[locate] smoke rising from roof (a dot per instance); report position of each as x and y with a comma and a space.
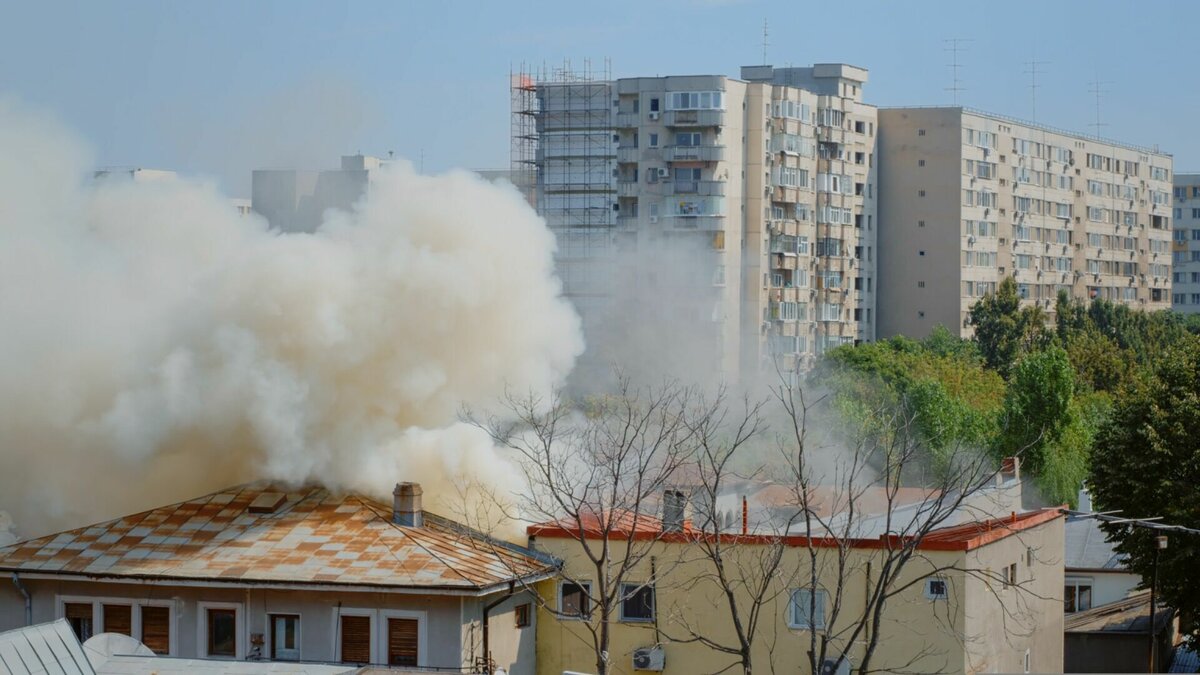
156, 345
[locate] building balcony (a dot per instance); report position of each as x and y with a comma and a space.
715, 188
784, 261
628, 153
627, 120
694, 118
628, 188
708, 222
693, 153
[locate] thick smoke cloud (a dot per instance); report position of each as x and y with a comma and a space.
156, 345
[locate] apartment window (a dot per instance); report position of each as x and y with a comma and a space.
285, 637
156, 628
654, 105
1195, 298
573, 599
1196, 213
687, 138
522, 615
920, 162
1077, 595
355, 638
920, 132
637, 602
806, 610
221, 630
79, 615
921, 253
654, 140
696, 100
403, 641
1010, 572
936, 589
118, 619
920, 193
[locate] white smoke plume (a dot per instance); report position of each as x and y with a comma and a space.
156, 345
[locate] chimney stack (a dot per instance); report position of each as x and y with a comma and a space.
406, 505
1010, 469
674, 510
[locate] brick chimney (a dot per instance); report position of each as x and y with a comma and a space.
674, 510
406, 505
1010, 469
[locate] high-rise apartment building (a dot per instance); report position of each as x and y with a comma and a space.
968, 198
1185, 250
707, 225
295, 200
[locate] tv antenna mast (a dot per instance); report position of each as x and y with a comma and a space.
1033, 69
765, 41
1097, 89
954, 46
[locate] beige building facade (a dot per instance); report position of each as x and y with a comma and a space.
983, 597
727, 227
968, 198
1185, 249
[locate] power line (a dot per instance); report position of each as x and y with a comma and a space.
954, 46
1148, 523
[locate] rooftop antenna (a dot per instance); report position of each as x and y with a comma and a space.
765, 42
421, 166
1033, 69
954, 46
1097, 88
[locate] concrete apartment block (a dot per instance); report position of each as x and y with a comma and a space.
968, 198
1185, 249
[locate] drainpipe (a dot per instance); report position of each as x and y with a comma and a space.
487, 647
28, 599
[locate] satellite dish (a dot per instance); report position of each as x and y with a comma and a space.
99, 648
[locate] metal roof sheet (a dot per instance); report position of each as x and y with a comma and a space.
1087, 549
50, 648
312, 536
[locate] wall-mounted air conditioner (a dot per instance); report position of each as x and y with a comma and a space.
649, 658
654, 116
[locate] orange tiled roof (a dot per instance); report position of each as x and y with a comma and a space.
264, 533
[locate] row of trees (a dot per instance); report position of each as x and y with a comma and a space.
1103, 393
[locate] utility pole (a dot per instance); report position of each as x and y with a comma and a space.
1160, 543
954, 46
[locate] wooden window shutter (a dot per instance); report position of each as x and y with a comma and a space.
156, 629
118, 619
402, 642
356, 639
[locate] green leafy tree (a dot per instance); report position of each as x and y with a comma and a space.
1147, 463
1004, 329
1043, 423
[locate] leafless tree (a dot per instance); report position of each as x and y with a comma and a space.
595, 471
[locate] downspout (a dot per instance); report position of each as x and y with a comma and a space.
487, 647
28, 599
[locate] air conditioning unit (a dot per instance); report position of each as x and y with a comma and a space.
653, 219
663, 172
649, 658
654, 116
834, 667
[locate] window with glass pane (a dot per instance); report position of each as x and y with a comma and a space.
638, 603
284, 637
79, 615
573, 599
156, 629
222, 632
805, 610
1078, 596
118, 619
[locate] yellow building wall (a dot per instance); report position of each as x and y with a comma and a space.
959, 634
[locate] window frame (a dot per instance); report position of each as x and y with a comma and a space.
239, 630
634, 587
372, 633
523, 615
135, 614
587, 597
269, 645
930, 595
823, 599
422, 634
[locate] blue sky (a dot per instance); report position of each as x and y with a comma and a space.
219, 87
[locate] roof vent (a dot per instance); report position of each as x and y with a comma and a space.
266, 502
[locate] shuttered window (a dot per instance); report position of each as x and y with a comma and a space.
402, 642
118, 619
356, 639
156, 629
79, 615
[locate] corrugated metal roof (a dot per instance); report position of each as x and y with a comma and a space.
45, 648
1130, 615
312, 536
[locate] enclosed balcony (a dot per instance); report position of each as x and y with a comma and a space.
694, 118
694, 153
